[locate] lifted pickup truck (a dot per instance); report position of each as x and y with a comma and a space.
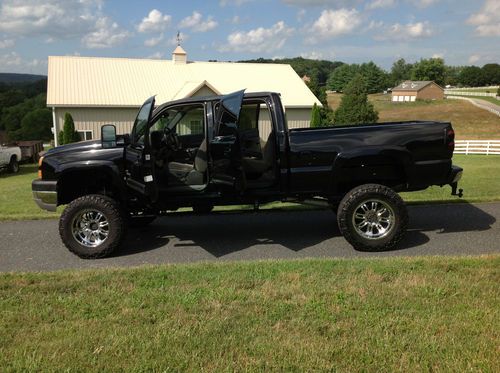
237, 149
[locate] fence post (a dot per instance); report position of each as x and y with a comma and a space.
488, 148
466, 147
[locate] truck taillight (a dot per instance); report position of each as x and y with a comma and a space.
40, 167
450, 139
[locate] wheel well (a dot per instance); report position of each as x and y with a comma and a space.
74, 184
13, 157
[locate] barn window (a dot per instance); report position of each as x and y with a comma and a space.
85, 135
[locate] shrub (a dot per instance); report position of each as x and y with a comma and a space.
69, 133
315, 116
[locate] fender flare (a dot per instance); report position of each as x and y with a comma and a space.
109, 168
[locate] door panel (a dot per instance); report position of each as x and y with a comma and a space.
138, 159
225, 149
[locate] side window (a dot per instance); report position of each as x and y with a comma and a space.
140, 124
184, 120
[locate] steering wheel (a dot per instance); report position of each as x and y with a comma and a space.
172, 139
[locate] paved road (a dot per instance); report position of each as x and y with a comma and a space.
457, 229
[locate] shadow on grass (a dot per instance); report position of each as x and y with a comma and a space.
24, 169
223, 233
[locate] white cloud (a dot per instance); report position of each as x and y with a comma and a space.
223, 3
53, 18
258, 40
408, 31
474, 58
107, 34
61, 19
332, 23
331, 3
196, 23
423, 3
313, 55
156, 56
438, 55
13, 62
376, 4
154, 41
6, 43
154, 22
235, 20
487, 20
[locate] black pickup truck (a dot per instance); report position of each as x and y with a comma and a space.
237, 149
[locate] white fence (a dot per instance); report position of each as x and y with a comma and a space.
475, 103
469, 93
477, 147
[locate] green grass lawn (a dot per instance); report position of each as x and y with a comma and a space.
436, 314
481, 182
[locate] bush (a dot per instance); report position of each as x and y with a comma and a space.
354, 107
69, 133
498, 91
315, 116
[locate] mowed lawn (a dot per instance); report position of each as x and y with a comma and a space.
436, 314
469, 121
481, 182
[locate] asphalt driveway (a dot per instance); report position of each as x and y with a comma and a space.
456, 229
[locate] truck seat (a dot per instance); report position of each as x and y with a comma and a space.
261, 166
190, 174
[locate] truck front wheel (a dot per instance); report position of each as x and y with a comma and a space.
14, 165
92, 226
372, 217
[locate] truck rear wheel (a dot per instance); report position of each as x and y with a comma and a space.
14, 165
92, 226
372, 217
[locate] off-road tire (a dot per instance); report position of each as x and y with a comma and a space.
137, 221
13, 165
203, 209
114, 216
367, 192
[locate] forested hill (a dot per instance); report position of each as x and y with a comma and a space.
314, 69
11, 78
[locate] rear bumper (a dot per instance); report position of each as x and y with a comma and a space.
45, 194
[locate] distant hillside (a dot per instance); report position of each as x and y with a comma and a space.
11, 78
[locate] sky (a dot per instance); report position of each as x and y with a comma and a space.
463, 32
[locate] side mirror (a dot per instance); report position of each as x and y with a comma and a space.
108, 136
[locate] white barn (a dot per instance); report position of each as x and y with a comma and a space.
97, 91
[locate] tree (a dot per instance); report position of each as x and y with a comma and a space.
400, 72
35, 126
69, 133
315, 116
491, 73
429, 69
471, 76
341, 76
354, 107
376, 78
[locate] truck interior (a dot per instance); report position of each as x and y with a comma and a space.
179, 146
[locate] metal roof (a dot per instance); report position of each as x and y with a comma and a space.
125, 82
413, 85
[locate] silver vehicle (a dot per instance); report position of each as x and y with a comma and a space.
10, 157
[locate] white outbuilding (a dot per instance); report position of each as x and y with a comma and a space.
98, 91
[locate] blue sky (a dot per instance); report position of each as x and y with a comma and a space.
463, 32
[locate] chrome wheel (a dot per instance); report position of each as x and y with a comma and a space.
90, 228
373, 219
